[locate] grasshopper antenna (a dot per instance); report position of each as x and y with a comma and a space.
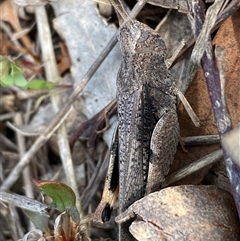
120, 9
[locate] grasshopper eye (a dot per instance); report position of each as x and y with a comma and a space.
143, 37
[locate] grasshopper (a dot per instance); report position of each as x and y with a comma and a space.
148, 129
148, 124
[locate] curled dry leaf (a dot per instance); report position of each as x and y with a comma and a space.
184, 213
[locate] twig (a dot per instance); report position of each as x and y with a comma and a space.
8, 143
6, 116
52, 74
203, 36
215, 90
90, 190
193, 167
200, 140
15, 223
230, 9
28, 187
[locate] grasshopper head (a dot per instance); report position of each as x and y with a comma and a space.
137, 37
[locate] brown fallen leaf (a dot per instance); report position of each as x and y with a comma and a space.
10, 14
228, 38
63, 59
6, 46
184, 213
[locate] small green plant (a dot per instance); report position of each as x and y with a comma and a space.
67, 224
63, 197
11, 75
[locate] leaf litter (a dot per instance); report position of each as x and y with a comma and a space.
77, 26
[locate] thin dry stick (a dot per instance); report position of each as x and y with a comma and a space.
201, 140
22, 149
9, 144
14, 223
28, 187
6, 116
95, 180
230, 9
61, 115
202, 38
222, 117
52, 74
193, 167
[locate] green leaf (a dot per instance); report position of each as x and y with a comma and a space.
4, 66
64, 198
19, 79
15, 69
40, 84
7, 81
15, 77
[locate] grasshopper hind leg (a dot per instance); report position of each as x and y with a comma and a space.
163, 147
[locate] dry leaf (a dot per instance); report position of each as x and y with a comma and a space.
184, 213
227, 37
85, 40
63, 59
9, 13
